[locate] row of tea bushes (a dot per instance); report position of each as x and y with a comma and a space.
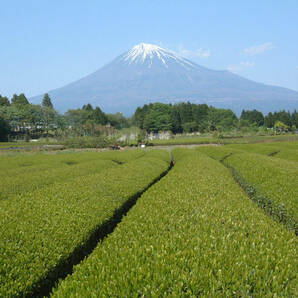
64, 167
272, 180
27, 163
218, 153
44, 230
13, 185
282, 150
194, 233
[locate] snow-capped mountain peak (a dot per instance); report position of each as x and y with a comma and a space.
148, 73
145, 53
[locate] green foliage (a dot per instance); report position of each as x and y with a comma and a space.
253, 116
284, 150
4, 129
280, 126
32, 172
274, 178
183, 117
43, 229
194, 233
218, 153
117, 120
221, 119
86, 121
19, 100
46, 101
286, 117
158, 119
4, 101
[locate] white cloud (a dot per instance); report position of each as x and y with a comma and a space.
201, 53
241, 66
256, 50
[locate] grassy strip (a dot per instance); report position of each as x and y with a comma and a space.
270, 181
194, 233
42, 230
225, 140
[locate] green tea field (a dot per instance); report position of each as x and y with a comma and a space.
211, 221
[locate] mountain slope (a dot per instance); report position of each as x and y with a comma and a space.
148, 73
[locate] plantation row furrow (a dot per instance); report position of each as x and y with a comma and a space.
273, 181
194, 233
218, 153
289, 154
278, 150
45, 231
270, 182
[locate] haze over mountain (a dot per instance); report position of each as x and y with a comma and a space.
149, 73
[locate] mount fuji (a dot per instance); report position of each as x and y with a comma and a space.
149, 73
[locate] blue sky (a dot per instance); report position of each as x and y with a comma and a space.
47, 44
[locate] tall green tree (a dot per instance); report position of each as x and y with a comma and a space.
253, 116
4, 101
159, 118
19, 100
46, 101
99, 116
4, 129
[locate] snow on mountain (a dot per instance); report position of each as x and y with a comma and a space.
149, 73
146, 53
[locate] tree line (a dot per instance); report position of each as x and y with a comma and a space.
21, 119
188, 117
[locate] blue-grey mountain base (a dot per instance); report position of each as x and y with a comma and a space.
148, 73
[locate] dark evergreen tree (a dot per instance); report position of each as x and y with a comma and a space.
4, 129
294, 119
253, 116
159, 118
4, 101
87, 107
99, 117
176, 120
269, 120
46, 101
19, 100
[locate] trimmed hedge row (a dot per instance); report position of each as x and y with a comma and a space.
217, 153
60, 167
42, 231
25, 163
283, 150
272, 178
194, 233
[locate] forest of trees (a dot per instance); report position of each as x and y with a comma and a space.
20, 119
188, 117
